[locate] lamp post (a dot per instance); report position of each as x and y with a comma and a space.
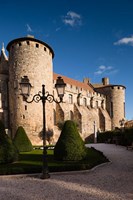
43, 96
95, 132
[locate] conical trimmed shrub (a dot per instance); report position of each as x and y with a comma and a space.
21, 140
70, 145
8, 152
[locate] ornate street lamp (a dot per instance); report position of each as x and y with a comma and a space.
25, 87
43, 96
95, 132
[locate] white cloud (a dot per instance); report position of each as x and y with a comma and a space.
58, 29
72, 19
29, 29
102, 69
125, 41
98, 72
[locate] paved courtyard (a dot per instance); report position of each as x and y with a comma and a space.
113, 181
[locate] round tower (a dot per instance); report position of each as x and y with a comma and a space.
117, 104
115, 101
32, 58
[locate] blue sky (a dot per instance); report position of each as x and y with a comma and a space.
90, 38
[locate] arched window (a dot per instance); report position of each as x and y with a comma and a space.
70, 98
54, 112
92, 102
71, 115
84, 102
102, 104
97, 104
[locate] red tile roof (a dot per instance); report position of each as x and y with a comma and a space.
76, 83
97, 86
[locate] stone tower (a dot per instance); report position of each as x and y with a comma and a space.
115, 100
32, 58
116, 104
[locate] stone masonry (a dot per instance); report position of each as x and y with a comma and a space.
102, 105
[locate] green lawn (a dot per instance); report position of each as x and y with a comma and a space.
31, 162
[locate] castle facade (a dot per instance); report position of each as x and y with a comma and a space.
93, 106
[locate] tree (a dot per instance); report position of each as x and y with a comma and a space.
49, 135
8, 152
21, 140
70, 145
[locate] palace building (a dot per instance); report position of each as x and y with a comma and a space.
101, 105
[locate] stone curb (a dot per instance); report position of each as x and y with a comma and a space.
56, 173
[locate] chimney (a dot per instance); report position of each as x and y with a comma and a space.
86, 81
105, 81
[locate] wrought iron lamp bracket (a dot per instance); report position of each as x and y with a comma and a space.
49, 97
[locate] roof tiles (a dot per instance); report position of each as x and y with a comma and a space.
76, 83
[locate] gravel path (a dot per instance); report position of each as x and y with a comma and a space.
113, 181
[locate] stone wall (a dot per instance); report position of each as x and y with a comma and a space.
84, 113
33, 59
99, 105
115, 102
